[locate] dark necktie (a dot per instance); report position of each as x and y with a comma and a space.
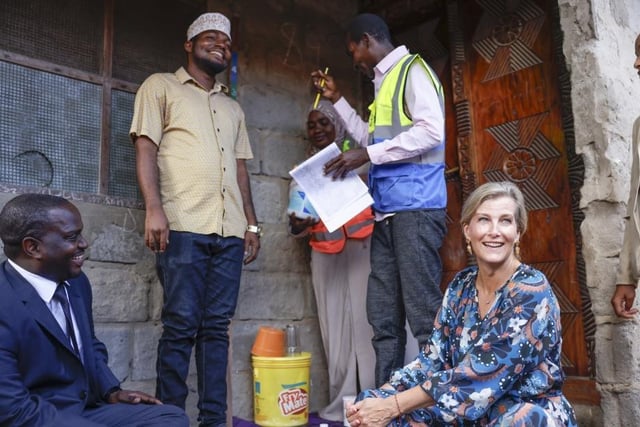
61, 297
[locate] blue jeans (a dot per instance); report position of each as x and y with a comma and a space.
200, 276
404, 283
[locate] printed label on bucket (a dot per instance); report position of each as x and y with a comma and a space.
281, 390
293, 401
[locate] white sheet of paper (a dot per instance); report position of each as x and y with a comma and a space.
335, 201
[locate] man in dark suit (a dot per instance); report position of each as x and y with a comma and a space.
53, 369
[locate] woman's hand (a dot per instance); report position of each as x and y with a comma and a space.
298, 225
371, 412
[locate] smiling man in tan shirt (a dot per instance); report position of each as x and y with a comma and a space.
191, 146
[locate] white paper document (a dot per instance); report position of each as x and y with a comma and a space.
335, 201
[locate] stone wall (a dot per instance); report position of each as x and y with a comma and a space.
599, 48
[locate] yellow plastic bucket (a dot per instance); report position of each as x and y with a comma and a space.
281, 390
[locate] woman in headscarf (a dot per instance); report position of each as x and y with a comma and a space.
339, 272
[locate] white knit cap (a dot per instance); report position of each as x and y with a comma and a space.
208, 22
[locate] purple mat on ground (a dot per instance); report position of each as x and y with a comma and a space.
314, 421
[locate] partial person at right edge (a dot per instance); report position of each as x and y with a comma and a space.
404, 140
629, 267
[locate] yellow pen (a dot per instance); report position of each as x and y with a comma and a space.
315, 104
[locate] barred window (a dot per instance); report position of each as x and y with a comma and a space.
70, 69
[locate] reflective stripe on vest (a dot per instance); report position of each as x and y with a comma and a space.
358, 227
353, 229
325, 236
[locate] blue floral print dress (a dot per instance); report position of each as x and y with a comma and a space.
500, 370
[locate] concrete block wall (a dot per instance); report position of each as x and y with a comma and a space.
599, 49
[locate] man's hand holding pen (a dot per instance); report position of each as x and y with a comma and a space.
325, 85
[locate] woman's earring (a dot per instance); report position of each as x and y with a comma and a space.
517, 249
469, 250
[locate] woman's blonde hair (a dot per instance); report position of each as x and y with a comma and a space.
493, 190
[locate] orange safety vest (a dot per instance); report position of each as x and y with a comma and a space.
358, 227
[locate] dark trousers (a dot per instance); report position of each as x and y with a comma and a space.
404, 283
200, 276
125, 415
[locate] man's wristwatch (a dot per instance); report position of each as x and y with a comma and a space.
255, 229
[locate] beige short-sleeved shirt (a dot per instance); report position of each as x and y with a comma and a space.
199, 134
